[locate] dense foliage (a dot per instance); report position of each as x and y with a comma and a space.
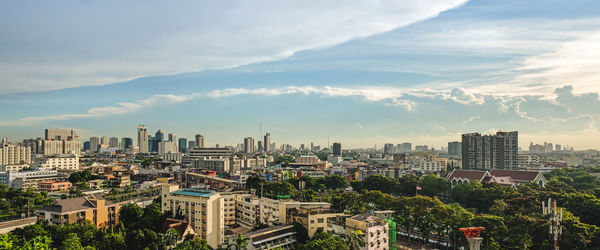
15, 202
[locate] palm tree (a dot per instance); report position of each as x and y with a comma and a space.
239, 244
171, 237
355, 240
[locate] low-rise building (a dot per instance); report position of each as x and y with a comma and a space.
69, 162
373, 228
99, 212
283, 236
52, 186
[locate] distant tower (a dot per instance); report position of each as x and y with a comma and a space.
142, 139
267, 142
199, 141
248, 145
337, 149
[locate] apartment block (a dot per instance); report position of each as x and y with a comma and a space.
204, 209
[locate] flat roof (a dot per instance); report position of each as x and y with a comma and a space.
194, 192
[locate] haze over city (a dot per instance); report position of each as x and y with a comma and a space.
361, 73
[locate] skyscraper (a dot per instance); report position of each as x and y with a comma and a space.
260, 146
487, 152
337, 149
126, 143
267, 142
199, 141
183, 143
388, 148
104, 140
113, 142
454, 148
142, 137
61, 134
94, 143
248, 145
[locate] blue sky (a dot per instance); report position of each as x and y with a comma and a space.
365, 73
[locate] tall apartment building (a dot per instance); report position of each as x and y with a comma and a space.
183, 144
485, 152
142, 139
337, 149
167, 147
388, 148
204, 209
94, 143
248, 145
267, 142
374, 229
126, 143
113, 142
454, 148
405, 147
14, 154
61, 134
199, 141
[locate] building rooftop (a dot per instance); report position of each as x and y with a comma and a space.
194, 192
69, 205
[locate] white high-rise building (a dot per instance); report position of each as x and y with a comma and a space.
142, 138
167, 147
61, 134
14, 154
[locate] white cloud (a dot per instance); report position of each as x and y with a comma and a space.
54, 45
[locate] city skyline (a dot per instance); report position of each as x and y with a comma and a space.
390, 78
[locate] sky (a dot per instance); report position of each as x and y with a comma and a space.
363, 73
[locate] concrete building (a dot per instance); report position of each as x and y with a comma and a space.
142, 139
199, 141
183, 145
485, 152
454, 148
248, 145
374, 228
99, 212
252, 210
308, 159
61, 134
314, 219
52, 147
14, 154
202, 208
69, 162
94, 144
219, 165
167, 147
113, 142
337, 149
405, 147
267, 142
126, 143
388, 148
53, 186
8, 177
283, 237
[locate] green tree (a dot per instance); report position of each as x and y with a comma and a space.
432, 185
71, 242
325, 241
130, 213
194, 244
240, 243
334, 182
355, 240
170, 238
